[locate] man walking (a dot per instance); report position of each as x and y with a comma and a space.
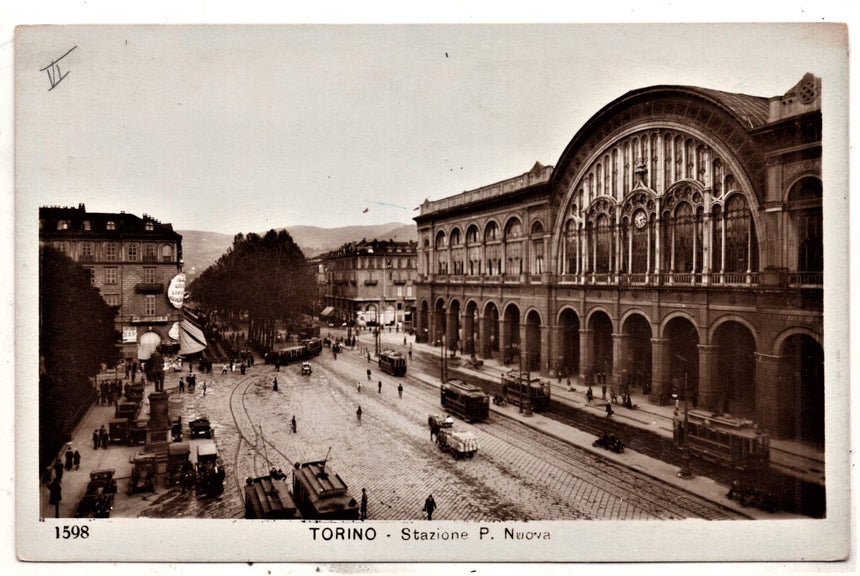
293, 424
358, 414
363, 509
56, 494
400, 389
380, 386
77, 459
429, 506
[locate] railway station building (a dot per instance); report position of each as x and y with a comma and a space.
676, 247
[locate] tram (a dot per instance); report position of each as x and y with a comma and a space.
392, 362
268, 498
725, 440
305, 350
321, 494
465, 400
313, 347
522, 389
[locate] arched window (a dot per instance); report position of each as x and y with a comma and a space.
684, 233
456, 252
603, 261
166, 253
804, 205
639, 244
741, 254
441, 251
571, 248
537, 246
493, 249
473, 245
513, 247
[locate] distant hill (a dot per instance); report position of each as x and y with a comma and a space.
201, 249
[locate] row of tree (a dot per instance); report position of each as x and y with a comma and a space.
77, 336
266, 277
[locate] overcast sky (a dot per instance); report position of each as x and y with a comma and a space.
235, 129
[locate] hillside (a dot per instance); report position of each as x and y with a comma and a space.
201, 249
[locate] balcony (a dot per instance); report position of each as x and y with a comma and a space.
149, 288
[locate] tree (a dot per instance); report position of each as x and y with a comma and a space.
76, 336
266, 276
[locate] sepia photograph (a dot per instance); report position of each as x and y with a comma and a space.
431, 292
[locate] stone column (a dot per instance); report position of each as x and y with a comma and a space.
431, 329
469, 333
660, 393
546, 362
451, 332
586, 353
504, 336
771, 414
555, 354
619, 361
709, 393
483, 336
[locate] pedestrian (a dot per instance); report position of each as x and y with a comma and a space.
400, 390
368, 371
358, 414
56, 494
58, 470
380, 386
589, 395
95, 439
429, 506
103, 437
359, 387
404, 340
277, 364
204, 387
275, 384
293, 424
569, 386
77, 459
182, 384
609, 411
363, 508
603, 389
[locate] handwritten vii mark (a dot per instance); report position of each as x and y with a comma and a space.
55, 74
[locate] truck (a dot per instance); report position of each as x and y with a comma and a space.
460, 443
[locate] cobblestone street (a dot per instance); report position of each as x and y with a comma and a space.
519, 474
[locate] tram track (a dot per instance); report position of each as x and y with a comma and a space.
246, 438
651, 496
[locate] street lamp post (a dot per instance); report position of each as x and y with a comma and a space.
442, 371
686, 471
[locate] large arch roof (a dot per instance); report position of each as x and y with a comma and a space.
745, 111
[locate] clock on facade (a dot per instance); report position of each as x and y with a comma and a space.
640, 219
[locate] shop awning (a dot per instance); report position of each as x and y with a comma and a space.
327, 311
191, 338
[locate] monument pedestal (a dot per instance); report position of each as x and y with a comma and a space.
158, 430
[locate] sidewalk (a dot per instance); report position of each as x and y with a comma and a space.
790, 457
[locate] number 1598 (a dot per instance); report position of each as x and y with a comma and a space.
73, 532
